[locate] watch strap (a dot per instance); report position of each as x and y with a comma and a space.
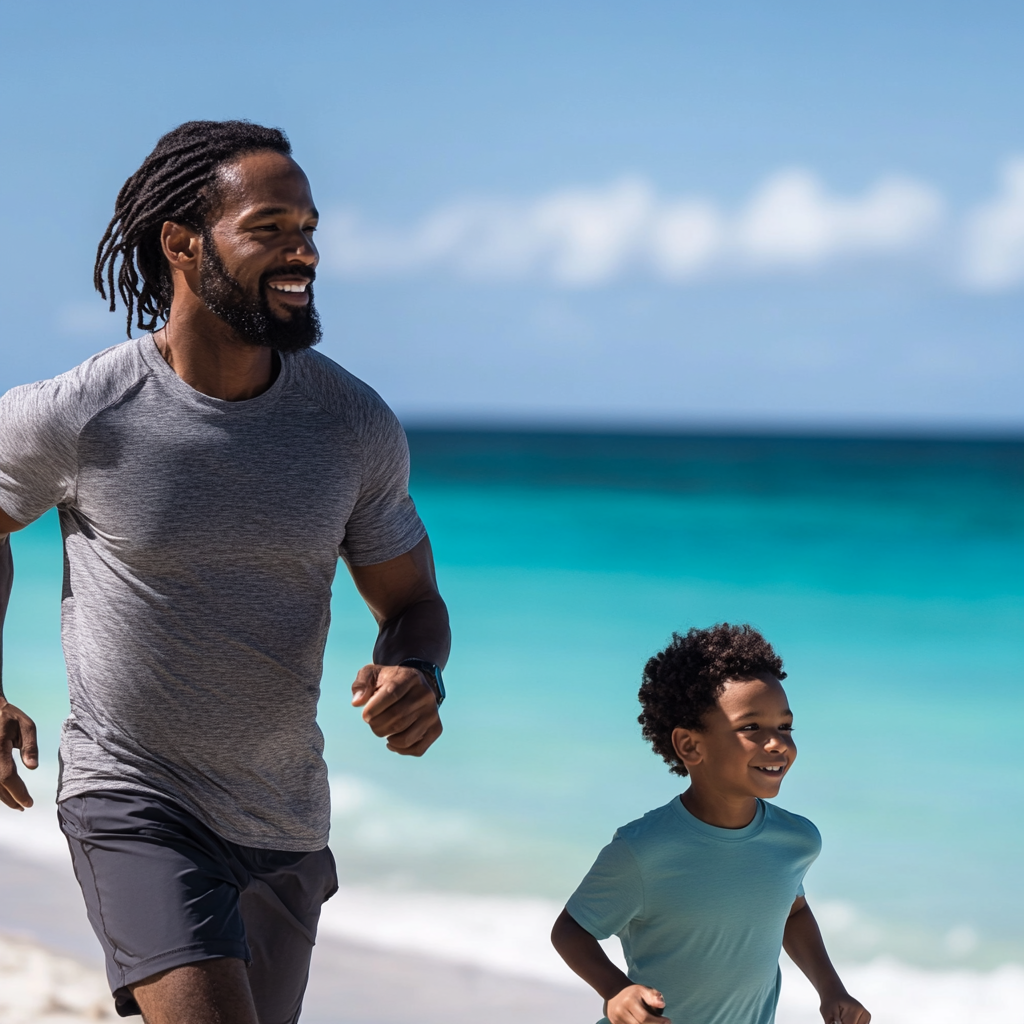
432, 673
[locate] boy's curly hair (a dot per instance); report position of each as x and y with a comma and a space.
682, 683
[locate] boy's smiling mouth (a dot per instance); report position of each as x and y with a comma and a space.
771, 769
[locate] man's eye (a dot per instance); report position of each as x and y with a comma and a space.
311, 229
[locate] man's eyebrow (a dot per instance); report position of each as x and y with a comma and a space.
274, 211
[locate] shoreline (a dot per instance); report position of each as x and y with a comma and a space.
373, 963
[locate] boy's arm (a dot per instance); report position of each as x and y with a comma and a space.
802, 941
17, 730
624, 1002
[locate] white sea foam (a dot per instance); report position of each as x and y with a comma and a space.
497, 933
898, 994
510, 936
34, 834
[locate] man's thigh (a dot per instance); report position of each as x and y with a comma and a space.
162, 891
281, 909
210, 992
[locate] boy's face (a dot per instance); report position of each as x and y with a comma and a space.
746, 745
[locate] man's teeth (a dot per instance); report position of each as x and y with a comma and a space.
290, 286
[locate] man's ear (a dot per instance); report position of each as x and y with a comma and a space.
181, 245
688, 745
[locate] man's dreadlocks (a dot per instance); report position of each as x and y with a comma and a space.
176, 182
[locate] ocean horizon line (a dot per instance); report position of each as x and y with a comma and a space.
796, 430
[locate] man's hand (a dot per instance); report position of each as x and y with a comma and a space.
842, 1008
17, 730
398, 703
637, 1004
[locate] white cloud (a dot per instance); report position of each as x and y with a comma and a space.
584, 237
994, 235
792, 220
573, 237
685, 238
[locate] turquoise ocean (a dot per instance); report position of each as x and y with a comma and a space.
889, 573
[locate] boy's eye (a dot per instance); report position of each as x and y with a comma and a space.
786, 727
753, 727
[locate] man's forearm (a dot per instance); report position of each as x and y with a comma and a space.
6, 582
418, 631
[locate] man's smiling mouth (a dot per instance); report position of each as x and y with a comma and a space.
289, 286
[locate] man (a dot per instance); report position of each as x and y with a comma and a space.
208, 475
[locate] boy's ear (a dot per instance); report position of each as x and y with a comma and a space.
686, 743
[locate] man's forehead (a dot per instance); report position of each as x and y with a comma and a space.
267, 180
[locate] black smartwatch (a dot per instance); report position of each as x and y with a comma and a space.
433, 674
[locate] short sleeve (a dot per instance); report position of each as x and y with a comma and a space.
384, 523
611, 895
38, 453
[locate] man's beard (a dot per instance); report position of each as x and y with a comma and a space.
250, 316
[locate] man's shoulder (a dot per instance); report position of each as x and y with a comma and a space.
75, 396
337, 391
780, 820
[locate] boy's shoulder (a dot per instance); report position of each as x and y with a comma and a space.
779, 818
651, 825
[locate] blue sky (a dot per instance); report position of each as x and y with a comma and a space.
730, 213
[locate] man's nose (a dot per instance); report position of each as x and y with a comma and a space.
300, 249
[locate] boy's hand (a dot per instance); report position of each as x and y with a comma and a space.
842, 1008
637, 1004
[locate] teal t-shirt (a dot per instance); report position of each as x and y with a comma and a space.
701, 910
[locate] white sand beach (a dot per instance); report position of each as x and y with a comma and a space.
388, 957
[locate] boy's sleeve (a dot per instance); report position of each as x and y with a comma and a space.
813, 841
38, 451
611, 895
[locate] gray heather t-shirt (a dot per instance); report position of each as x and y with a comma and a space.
201, 539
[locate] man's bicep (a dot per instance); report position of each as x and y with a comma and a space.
38, 452
392, 586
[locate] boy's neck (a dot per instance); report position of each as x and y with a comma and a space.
722, 810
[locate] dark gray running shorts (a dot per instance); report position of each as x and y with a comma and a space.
163, 890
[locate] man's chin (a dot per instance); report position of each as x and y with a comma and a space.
294, 332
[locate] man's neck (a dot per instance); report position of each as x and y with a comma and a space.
719, 809
210, 357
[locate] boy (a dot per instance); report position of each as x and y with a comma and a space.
705, 891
